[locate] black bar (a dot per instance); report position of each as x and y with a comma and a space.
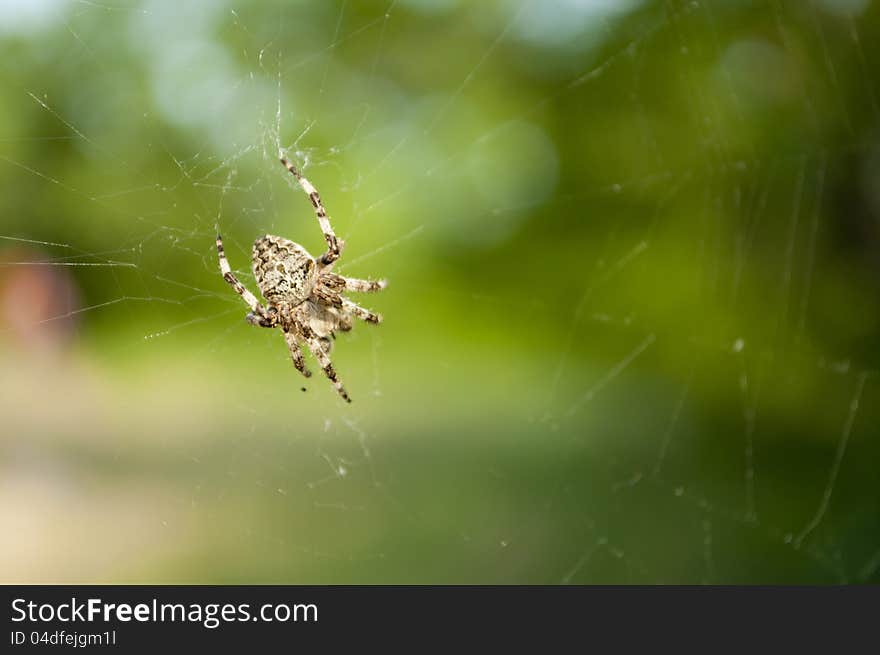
412, 618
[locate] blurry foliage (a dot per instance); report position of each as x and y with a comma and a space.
556, 191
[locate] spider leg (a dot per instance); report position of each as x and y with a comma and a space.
256, 321
296, 354
323, 358
261, 316
360, 312
334, 245
326, 296
363, 286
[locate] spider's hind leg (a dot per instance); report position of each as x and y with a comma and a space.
258, 321
259, 315
334, 244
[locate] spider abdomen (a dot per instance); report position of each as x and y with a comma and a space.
284, 270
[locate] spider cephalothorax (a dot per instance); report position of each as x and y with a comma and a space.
303, 295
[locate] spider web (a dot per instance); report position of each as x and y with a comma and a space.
631, 331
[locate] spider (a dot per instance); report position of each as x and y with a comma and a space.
303, 295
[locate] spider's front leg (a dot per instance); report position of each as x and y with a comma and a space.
364, 286
336, 282
327, 291
317, 349
296, 354
334, 244
360, 312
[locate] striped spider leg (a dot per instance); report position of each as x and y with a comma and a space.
303, 296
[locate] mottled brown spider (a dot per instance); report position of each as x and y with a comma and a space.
303, 295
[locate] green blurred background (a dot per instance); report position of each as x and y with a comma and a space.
631, 333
